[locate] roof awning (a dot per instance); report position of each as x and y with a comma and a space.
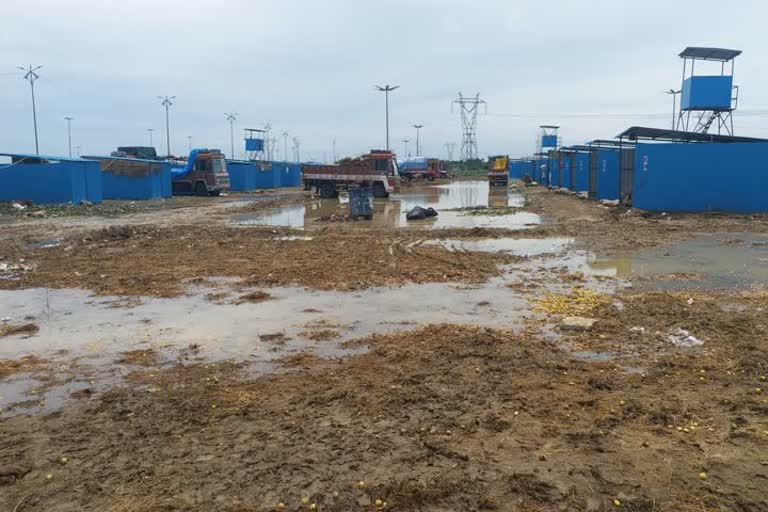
638, 133
717, 54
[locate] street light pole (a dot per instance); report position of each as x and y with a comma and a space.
31, 75
406, 141
150, 130
189, 138
285, 144
231, 116
386, 90
674, 94
418, 127
69, 133
167, 104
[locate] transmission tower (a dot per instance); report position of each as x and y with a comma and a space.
469, 108
450, 147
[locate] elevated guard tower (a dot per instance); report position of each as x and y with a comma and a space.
549, 138
707, 100
254, 144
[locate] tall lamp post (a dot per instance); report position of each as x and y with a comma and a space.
150, 130
285, 144
386, 90
418, 128
406, 141
69, 134
167, 104
674, 94
31, 75
231, 116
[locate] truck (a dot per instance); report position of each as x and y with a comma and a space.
427, 168
377, 170
204, 173
498, 170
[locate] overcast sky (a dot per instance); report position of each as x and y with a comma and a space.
309, 67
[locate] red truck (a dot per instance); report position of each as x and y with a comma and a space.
203, 174
377, 169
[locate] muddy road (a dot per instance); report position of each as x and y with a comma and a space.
261, 352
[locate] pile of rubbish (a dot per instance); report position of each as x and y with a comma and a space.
420, 213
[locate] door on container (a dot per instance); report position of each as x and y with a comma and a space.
593, 174
572, 170
626, 176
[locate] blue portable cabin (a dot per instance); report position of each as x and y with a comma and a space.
607, 174
669, 170
133, 178
247, 175
287, 174
50, 179
242, 175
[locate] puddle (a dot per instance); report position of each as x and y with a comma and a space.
391, 212
516, 246
86, 334
593, 356
714, 261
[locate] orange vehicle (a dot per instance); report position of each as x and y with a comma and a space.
203, 174
498, 170
378, 170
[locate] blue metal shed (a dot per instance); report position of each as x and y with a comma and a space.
50, 179
607, 174
701, 177
242, 175
581, 172
133, 178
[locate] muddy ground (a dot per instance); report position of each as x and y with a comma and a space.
440, 417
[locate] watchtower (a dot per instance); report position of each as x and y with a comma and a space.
254, 144
549, 138
707, 99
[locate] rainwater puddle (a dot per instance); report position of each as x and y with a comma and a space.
86, 334
516, 246
713, 261
446, 198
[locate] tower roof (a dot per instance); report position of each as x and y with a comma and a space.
717, 54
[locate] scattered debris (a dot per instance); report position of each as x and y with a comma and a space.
580, 301
577, 323
420, 213
637, 332
611, 203
684, 339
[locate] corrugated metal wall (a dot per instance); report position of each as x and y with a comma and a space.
701, 177
59, 181
131, 178
607, 174
245, 175
581, 173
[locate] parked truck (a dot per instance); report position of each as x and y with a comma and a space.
422, 167
204, 173
498, 170
377, 170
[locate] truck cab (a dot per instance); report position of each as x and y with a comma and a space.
204, 174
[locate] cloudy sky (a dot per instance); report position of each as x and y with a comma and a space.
309, 68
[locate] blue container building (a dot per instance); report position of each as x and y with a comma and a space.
133, 178
49, 179
607, 178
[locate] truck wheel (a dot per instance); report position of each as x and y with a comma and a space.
379, 190
201, 189
328, 191
430, 178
